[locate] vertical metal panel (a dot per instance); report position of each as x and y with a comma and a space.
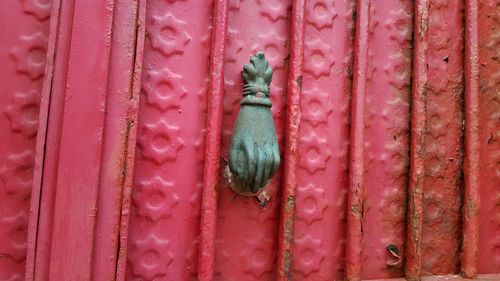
48, 140
435, 181
357, 159
119, 138
414, 219
489, 137
88, 103
291, 157
206, 262
471, 128
24, 30
246, 240
386, 141
128, 163
164, 220
319, 239
84, 104
442, 183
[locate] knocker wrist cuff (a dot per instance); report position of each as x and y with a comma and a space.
254, 100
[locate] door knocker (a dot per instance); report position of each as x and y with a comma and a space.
254, 155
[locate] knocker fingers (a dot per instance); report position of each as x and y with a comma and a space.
260, 157
249, 149
267, 166
275, 159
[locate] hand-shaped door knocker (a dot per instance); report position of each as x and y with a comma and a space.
254, 156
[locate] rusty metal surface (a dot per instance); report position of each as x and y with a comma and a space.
22, 64
471, 196
480, 277
206, 256
489, 136
413, 266
442, 183
320, 217
292, 123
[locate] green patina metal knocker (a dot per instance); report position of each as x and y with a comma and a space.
254, 156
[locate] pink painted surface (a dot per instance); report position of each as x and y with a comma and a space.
24, 29
246, 242
77, 181
387, 123
319, 247
286, 229
84, 226
215, 96
489, 137
87, 104
166, 196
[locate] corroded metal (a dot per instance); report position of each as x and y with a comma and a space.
254, 155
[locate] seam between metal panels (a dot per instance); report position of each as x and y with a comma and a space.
289, 184
43, 135
417, 143
356, 163
96, 197
213, 143
41, 146
471, 161
130, 140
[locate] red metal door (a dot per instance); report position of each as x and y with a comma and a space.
387, 120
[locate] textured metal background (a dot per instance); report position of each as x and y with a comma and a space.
24, 29
166, 196
319, 242
386, 89
442, 192
489, 114
246, 244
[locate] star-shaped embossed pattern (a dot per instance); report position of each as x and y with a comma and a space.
155, 199
170, 37
311, 203
17, 174
38, 8
164, 89
23, 113
160, 141
318, 58
30, 55
13, 236
316, 153
275, 48
150, 257
320, 13
308, 255
316, 107
258, 255
274, 9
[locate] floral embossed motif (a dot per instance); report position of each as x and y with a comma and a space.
23, 113
169, 37
30, 55
13, 236
155, 199
151, 257
160, 142
164, 89
17, 174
